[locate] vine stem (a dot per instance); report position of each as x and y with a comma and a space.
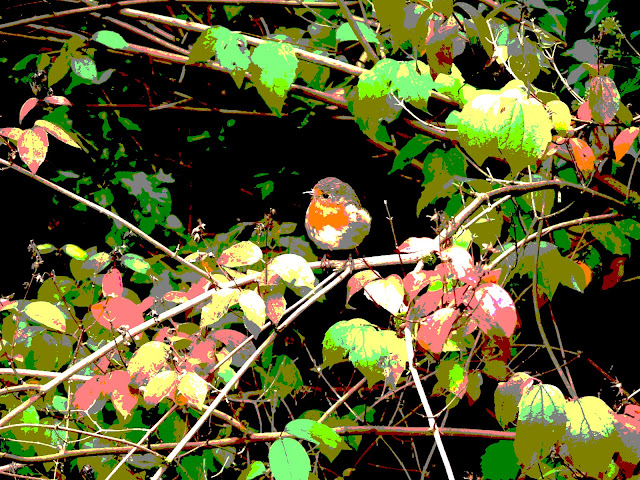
408, 338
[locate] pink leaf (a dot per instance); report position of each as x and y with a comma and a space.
32, 147
435, 329
57, 100
494, 310
584, 112
112, 283
27, 107
11, 132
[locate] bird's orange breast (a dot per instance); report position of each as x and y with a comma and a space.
321, 214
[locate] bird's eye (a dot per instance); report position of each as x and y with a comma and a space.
325, 195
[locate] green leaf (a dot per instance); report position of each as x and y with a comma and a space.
345, 33
289, 460
254, 470
596, 10
45, 248
441, 169
499, 461
135, 263
541, 423
313, 431
611, 238
46, 314
85, 68
341, 338
273, 72
411, 150
413, 83
630, 227
110, 39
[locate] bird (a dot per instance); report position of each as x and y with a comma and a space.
335, 219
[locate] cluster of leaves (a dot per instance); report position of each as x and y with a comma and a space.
459, 309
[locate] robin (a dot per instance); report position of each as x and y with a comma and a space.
335, 220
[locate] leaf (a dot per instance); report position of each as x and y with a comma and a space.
57, 100
192, 391
604, 99
387, 293
273, 72
434, 330
112, 283
413, 148
596, 10
541, 423
590, 439
611, 238
508, 395
360, 280
341, 338
135, 262
75, 252
560, 116
504, 124
240, 255
313, 431
294, 271
32, 147
110, 39
494, 310
46, 314
11, 132
57, 132
499, 461
85, 68
161, 386
147, 362
441, 169
583, 155
254, 309
27, 107
623, 142
254, 470
345, 33
231, 339
289, 460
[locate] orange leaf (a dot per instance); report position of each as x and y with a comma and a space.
32, 147
584, 157
623, 142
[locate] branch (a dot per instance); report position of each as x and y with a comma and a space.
111, 215
270, 437
356, 30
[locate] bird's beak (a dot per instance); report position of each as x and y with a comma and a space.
309, 192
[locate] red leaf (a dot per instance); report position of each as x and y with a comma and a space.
623, 142
32, 147
27, 107
616, 273
425, 305
583, 155
112, 283
494, 310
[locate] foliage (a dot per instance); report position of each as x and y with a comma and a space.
158, 347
